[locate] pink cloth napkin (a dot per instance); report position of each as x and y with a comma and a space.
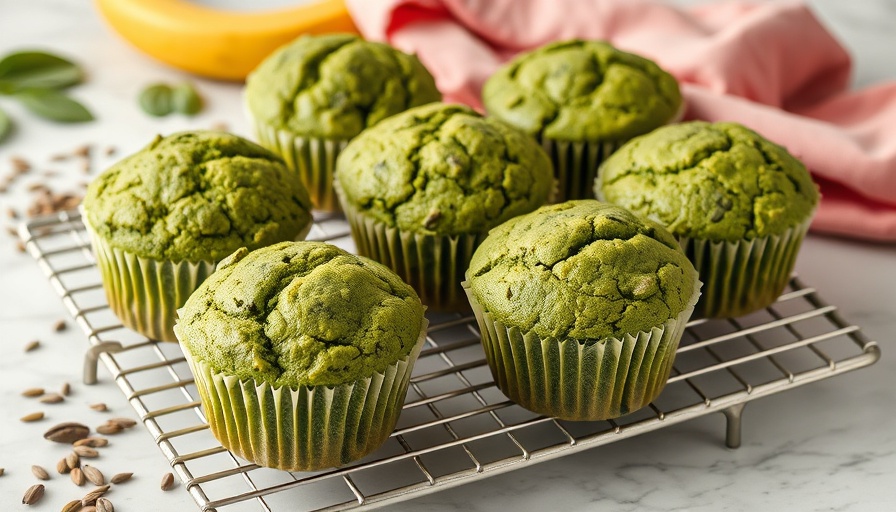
770, 66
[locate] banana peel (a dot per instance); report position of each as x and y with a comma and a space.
218, 43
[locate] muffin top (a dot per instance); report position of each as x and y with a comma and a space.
197, 196
717, 181
582, 269
443, 169
300, 313
582, 90
333, 86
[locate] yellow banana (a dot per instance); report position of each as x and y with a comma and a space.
218, 43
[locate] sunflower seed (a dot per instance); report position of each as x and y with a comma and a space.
86, 452
82, 151
19, 164
121, 478
167, 481
51, 398
91, 497
72, 506
33, 494
67, 433
108, 429
94, 442
122, 422
33, 392
94, 475
104, 505
34, 416
39, 472
78, 476
72, 460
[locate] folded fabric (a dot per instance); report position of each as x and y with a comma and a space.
770, 66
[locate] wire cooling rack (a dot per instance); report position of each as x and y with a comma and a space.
456, 426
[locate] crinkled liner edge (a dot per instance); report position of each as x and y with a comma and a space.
433, 264
304, 428
566, 395
313, 159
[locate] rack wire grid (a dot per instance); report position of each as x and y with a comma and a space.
456, 426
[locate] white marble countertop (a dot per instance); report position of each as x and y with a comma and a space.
830, 445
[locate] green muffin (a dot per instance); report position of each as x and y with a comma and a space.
422, 189
302, 353
581, 100
739, 205
581, 306
310, 97
161, 218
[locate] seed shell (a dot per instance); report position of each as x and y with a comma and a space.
104, 505
78, 477
72, 460
33, 494
94, 475
108, 429
33, 392
34, 416
86, 452
91, 497
72, 506
120, 478
167, 481
51, 398
94, 442
122, 422
39, 472
67, 433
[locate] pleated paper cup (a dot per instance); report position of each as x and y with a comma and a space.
576, 163
304, 428
434, 265
312, 159
746, 275
145, 293
579, 380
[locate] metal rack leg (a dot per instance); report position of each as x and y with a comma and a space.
733, 416
91, 358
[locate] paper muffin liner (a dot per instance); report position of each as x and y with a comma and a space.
576, 163
145, 293
434, 265
746, 275
312, 158
581, 381
304, 428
